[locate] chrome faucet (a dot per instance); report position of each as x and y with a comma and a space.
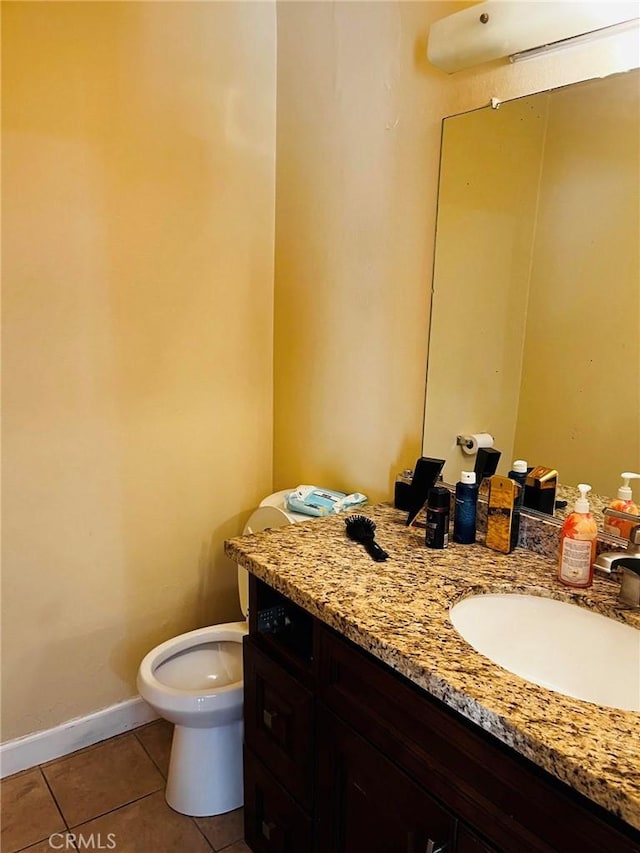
626, 563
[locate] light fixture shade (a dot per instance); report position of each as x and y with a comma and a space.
499, 28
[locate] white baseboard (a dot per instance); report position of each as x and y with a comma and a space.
25, 752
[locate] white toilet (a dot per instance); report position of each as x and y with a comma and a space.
195, 682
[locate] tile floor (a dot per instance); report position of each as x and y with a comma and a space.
110, 797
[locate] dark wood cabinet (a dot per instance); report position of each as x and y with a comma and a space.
279, 723
468, 842
343, 755
367, 803
273, 821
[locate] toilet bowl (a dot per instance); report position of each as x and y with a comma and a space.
195, 682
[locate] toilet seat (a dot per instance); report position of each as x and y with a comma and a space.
226, 698
206, 666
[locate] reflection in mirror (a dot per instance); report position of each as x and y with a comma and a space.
535, 326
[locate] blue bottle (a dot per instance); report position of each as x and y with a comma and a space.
519, 474
464, 517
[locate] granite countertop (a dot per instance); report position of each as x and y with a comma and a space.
398, 611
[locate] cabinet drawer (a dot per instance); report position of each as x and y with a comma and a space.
273, 822
279, 722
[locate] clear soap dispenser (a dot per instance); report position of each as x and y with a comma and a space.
623, 503
578, 543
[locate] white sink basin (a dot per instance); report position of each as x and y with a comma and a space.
557, 645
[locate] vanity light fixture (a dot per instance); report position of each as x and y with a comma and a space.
500, 28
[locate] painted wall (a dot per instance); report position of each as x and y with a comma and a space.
583, 322
355, 142
358, 140
138, 262
138, 202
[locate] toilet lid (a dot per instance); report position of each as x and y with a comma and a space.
271, 513
279, 500
265, 517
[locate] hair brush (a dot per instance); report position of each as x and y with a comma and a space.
362, 529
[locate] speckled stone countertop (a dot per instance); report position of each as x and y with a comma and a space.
398, 611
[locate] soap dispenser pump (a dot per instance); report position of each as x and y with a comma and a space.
623, 503
578, 543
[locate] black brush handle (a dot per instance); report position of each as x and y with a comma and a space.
374, 550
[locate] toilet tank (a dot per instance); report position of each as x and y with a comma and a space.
271, 513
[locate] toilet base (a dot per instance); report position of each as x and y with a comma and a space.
205, 770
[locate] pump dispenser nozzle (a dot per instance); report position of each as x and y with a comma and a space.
582, 504
624, 492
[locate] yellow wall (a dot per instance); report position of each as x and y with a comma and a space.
583, 321
138, 245
138, 204
357, 145
358, 139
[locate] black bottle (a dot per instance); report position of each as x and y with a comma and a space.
487, 459
464, 516
438, 507
402, 495
518, 474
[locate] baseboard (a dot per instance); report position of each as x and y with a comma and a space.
25, 752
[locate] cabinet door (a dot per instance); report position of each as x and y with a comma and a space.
365, 803
468, 842
278, 722
273, 821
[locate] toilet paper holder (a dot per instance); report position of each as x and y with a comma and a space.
464, 441
470, 442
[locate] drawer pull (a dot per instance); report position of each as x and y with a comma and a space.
431, 847
271, 831
269, 718
267, 829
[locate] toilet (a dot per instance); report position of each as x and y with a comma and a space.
195, 682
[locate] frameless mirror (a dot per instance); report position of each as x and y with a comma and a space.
535, 322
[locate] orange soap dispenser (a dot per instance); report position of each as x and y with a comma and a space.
623, 503
578, 543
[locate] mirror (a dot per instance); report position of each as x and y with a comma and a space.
535, 322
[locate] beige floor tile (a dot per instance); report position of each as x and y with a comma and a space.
96, 780
146, 826
222, 830
58, 844
238, 847
29, 812
156, 739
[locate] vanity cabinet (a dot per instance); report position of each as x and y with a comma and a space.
279, 723
365, 802
274, 822
344, 755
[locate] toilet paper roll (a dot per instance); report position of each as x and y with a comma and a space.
474, 441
